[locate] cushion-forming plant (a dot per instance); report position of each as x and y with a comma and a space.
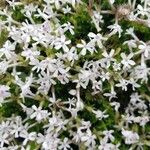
74, 74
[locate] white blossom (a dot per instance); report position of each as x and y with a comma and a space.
97, 38
38, 113
4, 93
123, 83
130, 136
27, 136
86, 46
62, 43
100, 114
64, 145
115, 28
145, 48
89, 139
126, 60
8, 50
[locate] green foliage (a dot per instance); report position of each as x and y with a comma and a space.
17, 15
11, 108
82, 23
3, 37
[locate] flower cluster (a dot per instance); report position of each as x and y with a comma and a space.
74, 75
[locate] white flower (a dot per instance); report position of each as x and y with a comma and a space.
108, 135
4, 93
105, 76
28, 111
130, 136
130, 31
27, 136
132, 16
99, 114
3, 139
97, 86
97, 38
57, 3
43, 15
144, 120
66, 10
135, 98
141, 105
108, 57
86, 46
13, 3
126, 60
38, 113
16, 127
115, 28
64, 145
83, 78
116, 105
89, 139
68, 27
141, 71
71, 55
107, 146
116, 66
85, 124
73, 111
62, 43
25, 86
142, 10
112, 1
4, 127
45, 81
123, 83
134, 84
111, 95
131, 44
8, 50
71, 102
30, 54
48, 141
77, 135
145, 48
97, 19
29, 9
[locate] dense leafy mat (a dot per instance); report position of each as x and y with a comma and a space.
74, 74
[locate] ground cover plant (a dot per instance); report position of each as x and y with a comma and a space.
74, 74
